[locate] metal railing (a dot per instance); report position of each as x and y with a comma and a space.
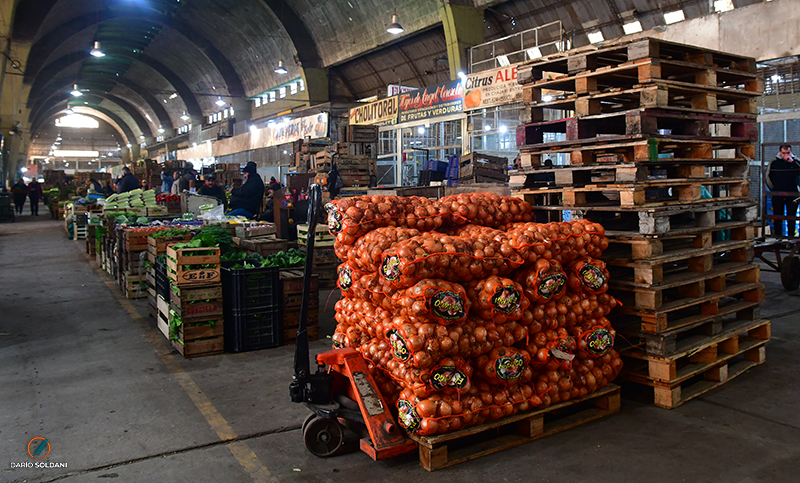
530, 44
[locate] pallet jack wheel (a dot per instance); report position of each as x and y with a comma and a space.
323, 437
790, 272
308, 419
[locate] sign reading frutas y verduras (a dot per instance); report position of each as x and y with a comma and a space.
433, 101
489, 88
375, 112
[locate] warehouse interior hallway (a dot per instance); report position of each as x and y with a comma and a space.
89, 371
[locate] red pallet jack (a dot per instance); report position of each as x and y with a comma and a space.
342, 392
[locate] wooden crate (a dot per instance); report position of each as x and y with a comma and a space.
197, 303
177, 259
441, 451
690, 373
292, 289
322, 237
158, 246
264, 245
200, 338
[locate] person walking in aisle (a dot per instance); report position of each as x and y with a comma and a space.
20, 192
34, 192
783, 175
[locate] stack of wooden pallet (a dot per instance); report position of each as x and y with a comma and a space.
354, 170
325, 262
656, 145
305, 151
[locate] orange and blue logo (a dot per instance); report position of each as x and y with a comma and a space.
39, 448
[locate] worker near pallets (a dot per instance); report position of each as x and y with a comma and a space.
210, 188
246, 199
783, 175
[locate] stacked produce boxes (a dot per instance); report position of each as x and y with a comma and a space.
252, 308
291, 296
156, 246
325, 260
195, 310
489, 316
653, 140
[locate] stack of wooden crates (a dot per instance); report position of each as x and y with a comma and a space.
326, 263
654, 142
291, 297
355, 160
194, 311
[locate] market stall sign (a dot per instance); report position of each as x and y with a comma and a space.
374, 112
433, 101
490, 88
310, 126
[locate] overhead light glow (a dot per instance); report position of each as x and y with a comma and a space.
77, 121
66, 153
173, 95
503, 60
161, 129
462, 75
141, 136
395, 28
632, 27
534, 53
75, 91
185, 116
281, 69
595, 37
503, 129
674, 17
253, 128
220, 102
421, 130
128, 145
547, 98
723, 5
96, 51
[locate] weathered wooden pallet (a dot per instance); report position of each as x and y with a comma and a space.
642, 122
691, 373
685, 313
658, 221
651, 193
658, 94
441, 451
629, 247
592, 57
634, 149
626, 172
643, 71
705, 275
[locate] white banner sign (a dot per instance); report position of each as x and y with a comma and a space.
393, 90
374, 112
489, 88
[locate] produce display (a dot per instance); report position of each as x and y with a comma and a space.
466, 311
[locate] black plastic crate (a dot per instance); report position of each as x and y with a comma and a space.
251, 288
253, 329
162, 281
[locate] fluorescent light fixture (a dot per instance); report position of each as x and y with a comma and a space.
503, 129
395, 28
632, 27
173, 95
534, 53
219, 102
184, 116
58, 138
595, 37
62, 153
723, 5
281, 69
96, 51
161, 129
673, 17
75, 91
503, 60
421, 130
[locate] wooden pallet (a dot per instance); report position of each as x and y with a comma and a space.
441, 451
657, 221
691, 373
644, 122
651, 193
644, 71
592, 57
656, 95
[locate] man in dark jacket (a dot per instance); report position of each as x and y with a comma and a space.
188, 180
782, 175
129, 182
246, 200
34, 192
210, 188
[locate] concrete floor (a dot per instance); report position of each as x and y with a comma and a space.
90, 372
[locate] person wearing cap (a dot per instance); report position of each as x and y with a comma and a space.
128, 182
246, 200
210, 188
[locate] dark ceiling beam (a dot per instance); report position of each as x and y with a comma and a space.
374, 71
41, 50
345, 83
28, 17
48, 76
307, 52
58, 97
412, 65
188, 97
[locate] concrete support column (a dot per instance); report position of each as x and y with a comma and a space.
463, 28
317, 85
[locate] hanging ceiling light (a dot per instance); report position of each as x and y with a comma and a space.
161, 129
281, 69
185, 116
96, 52
141, 136
75, 91
220, 102
395, 28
